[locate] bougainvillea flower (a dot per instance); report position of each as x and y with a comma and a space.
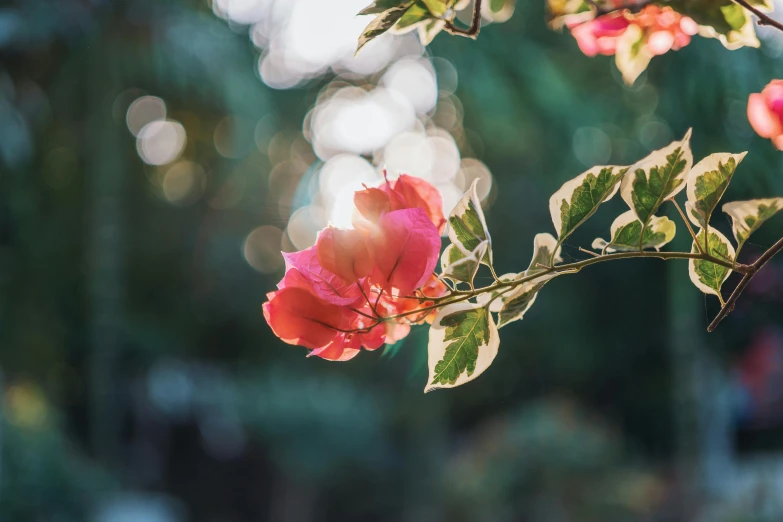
765, 112
406, 246
298, 317
600, 35
404, 192
347, 345
324, 284
344, 253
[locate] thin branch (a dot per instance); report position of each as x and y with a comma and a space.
753, 270
475, 24
589, 252
687, 224
763, 19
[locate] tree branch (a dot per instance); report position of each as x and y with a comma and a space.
475, 24
763, 19
753, 270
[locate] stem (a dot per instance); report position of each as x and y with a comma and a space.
475, 24
572, 268
763, 19
687, 224
753, 269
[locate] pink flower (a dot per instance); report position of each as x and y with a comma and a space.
404, 192
406, 246
362, 288
600, 35
765, 112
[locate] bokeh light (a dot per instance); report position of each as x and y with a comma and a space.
160, 142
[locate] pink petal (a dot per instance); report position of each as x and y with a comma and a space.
315, 278
298, 317
660, 42
406, 246
763, 121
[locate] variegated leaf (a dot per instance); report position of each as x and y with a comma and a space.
632, 55
626, 234
707, 182
463, 342
546, 253
464, 268
657, 178
579, 198
467, 226
748, 216
706, 275
382, 23
518, 301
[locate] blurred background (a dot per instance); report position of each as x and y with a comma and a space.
157, 155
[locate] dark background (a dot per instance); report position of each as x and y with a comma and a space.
140, 381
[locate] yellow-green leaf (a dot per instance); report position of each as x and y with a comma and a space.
706, 275
748, 216
626, 234
707, 182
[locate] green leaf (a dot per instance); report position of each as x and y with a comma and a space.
467, 226
748, 216
463, 343
494, 299
707, 182
437, 7
518, 301
579, 198
626, 234
459, 267
632, 55
382, 23
416, 14
657, 178
380, 6
707, 276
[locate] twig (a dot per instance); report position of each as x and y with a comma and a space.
589, 252
763, 19
475, 24
687, 224
752, 271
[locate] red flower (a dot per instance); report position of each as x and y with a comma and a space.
298, 317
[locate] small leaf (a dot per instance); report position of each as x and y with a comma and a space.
429, 30
546, 253
498, 11
379, 6
632, 55
579, 198
467, 226
382, 23
657, 178
748, 216
463, 343
707, 276
437, 7
707, 182
464, 268
518, 301
415, 14
626, 234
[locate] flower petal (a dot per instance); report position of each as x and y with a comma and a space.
298, 317
344, 253
321, 282
406, 245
